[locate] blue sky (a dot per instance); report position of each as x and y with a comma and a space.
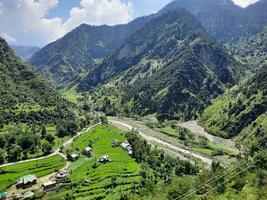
141, 7
39, 22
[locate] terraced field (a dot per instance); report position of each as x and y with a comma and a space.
10, 174
101, 181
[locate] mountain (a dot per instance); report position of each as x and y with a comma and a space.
24, 95
171, 66
19, 83
78, 51
253, 50
24, 52
240, 111
223, 19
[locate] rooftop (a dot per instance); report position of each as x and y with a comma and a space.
27, 179
49, 183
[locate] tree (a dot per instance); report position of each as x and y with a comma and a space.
50, 138
180, 186
3, 141
113, 181
260, 160
61, 131
104, 120
47, 148
15, 152
2, 156
43, 131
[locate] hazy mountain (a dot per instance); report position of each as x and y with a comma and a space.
253, 50
223, 19
78, 51
24, 52
170, 66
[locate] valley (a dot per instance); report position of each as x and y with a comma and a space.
118, 105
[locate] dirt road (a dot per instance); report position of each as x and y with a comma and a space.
159, 139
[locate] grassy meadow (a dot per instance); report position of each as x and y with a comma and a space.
101, 181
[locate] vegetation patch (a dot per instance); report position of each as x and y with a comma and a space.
10, 174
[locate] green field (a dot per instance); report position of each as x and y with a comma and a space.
10, 174
94, 179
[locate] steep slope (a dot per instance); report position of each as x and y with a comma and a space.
253, 50
19, 83
78, 51
24, 52
24, 96
223, 19
170, 67
240, 111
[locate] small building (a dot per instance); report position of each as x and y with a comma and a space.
87, 151
3, 195
127, 147
62, 176
50, 185
74, 157
105, 159
115, 143
26, 181
28, 195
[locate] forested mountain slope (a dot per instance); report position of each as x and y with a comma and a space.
253, 50
25, 96
170, 66
78, 51
223, 19
240, 111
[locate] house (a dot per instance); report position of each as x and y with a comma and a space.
115, 143
26, 181
74, 157
62, 176
127, 147
49, 185
87, 151
3, 195
105, 159
28, 195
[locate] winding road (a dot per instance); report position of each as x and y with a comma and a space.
159, 139
56, 152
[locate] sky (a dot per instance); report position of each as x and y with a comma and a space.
38, 22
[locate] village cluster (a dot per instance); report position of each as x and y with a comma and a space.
55, 181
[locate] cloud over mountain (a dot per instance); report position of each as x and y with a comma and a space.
26, 21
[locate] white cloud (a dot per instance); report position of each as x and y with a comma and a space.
244, 3
97, 12
26, 20
8, 38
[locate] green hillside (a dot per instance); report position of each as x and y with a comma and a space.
30, 111
174, 71
66, 59
253, 49
241, 111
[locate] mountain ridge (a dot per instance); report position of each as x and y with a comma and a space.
149, 66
